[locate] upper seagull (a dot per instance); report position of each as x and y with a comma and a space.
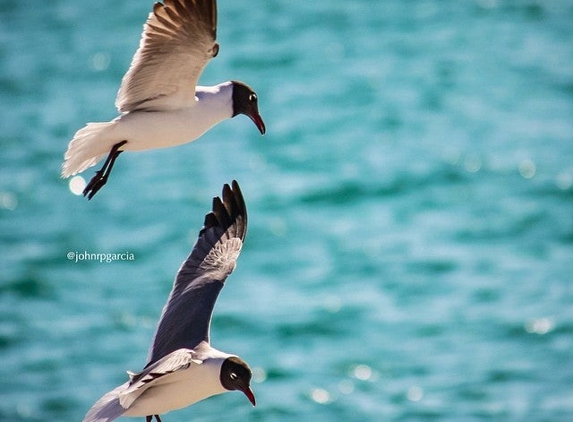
182, 367
159, 100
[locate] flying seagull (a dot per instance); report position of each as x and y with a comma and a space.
159, 100
183, 367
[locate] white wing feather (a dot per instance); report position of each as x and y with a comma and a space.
177, 42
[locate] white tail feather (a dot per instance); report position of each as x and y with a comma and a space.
89, 145
107, 408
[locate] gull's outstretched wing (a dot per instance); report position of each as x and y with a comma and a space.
177, 42
186, 317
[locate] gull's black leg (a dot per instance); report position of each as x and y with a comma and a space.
100, 178
157, 418
148, 418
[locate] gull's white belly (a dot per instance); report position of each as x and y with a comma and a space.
161, 129
178, 390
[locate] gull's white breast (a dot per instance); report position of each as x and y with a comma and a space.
170, 127
180, 389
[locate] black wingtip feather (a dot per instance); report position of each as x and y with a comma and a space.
229, 209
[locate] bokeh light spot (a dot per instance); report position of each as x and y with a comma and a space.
77, 185
100, 61
472, 163
527, 169
363, 372
8, 201
564, 181
539, 326
259, 375
415, 393
320, 395
346, 387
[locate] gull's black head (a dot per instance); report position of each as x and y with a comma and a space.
236, 375
245, 101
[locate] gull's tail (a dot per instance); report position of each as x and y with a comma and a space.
89, 145
107, 408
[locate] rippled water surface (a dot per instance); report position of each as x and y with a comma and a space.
410, 248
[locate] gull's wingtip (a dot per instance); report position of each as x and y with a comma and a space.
227, 210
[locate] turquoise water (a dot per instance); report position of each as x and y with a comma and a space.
410, 248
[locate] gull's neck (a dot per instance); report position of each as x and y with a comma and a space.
218, 99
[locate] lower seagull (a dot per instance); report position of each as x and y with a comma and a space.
183, 368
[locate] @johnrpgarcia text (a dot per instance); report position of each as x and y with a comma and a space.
107, 258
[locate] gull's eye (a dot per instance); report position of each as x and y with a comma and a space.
233, 376
253, 97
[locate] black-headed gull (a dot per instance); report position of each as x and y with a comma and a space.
182, 366
159, 100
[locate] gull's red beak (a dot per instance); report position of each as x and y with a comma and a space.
250, 395
258, 121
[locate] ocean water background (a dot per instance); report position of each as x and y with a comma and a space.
410, 248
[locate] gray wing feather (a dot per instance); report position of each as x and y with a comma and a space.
186, 316
178, 41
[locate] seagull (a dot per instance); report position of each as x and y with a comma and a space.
182, 367
159, 101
